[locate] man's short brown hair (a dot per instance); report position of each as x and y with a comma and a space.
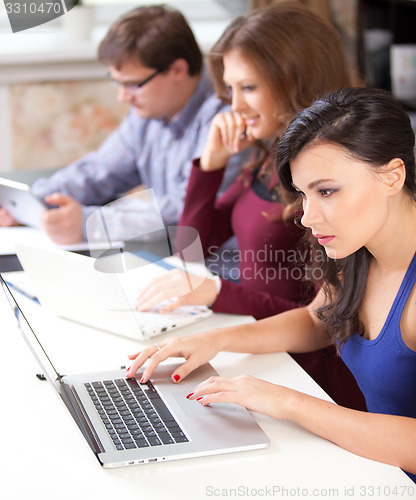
154, 36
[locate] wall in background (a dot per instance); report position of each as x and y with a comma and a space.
56, 123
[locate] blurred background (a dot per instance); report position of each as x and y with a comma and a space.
55, 101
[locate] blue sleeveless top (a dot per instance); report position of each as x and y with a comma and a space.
385, 368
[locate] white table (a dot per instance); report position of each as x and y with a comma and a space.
43, 455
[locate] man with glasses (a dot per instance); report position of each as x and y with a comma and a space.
157, 65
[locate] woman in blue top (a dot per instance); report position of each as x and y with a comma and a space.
350, 158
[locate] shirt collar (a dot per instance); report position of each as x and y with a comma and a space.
183, 118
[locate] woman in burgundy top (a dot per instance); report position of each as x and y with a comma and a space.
269, 64
269, 274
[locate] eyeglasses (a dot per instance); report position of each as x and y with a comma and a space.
133, 88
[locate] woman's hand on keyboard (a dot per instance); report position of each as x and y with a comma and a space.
196, 349
180, 288
245, 390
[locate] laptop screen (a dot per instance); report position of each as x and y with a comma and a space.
21, 306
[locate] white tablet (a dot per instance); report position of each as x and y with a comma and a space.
21, 203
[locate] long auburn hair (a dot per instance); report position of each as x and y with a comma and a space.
371, 126
297, 52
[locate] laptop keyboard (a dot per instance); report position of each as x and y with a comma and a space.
134, 414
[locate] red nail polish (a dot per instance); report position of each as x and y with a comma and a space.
189, 395
142, 380
176, 378
199, 399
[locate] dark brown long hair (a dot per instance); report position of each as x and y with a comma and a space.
374, 128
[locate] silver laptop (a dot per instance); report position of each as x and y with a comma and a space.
127, 423
70, 285
21, 203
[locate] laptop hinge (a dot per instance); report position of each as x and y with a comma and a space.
74, 405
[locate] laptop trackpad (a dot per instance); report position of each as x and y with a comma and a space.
192, 408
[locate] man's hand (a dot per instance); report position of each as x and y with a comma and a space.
6, 219
63, 224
